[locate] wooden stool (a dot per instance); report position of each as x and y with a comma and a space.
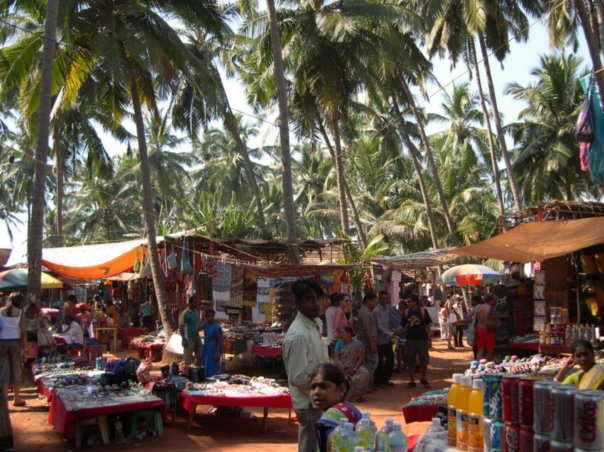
102, 423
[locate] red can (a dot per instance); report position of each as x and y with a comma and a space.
526, 440
511, 399
541, 443
589, 420
525, 393
511, 438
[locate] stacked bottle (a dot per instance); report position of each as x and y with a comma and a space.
461, 412
452, 401
475, 418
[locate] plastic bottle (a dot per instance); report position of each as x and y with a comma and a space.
451, 409
397, 441
338, 436
119, 430
542, 336
475, 418
434, 440
436, 430
366, 433
382, 436
462, 412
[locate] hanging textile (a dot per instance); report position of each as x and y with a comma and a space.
262, 299
185, 260
249, 289
221, 286
595, 154
236, 289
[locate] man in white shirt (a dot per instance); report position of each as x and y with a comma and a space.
385, 363
303, 350
72, 332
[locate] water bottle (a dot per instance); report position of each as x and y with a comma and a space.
366, 433
119, 431
339, 436
382, 436
397, 441
437, 430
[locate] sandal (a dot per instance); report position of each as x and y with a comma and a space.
425, 383
411, 384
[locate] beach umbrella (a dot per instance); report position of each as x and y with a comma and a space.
16, 279
470, 275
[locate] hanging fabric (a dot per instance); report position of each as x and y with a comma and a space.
595, 154
171, 258
585, 132
185, 260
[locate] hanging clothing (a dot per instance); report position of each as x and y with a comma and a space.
595, 153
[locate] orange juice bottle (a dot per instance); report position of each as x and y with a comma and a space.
475, 423
451, 410
461, 412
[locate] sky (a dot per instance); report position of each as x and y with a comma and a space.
517, 67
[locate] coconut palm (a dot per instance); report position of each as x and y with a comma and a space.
546, 156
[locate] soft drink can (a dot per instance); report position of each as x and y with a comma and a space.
564, 410
493, 396
511, 438
559, 446
493, 435
525, 394
541, 443
543, 407
589, 420
526, 440
511, 398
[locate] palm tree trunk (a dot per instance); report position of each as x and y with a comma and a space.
414, 153
60, 181
149, 213
592, 45
231, 125
355, 213
485, 113
36, 223
286, 159
340, 178
500, 135
430, 159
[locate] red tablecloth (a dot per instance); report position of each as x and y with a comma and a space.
419, 413
127, 334
269, 351
61, 419
532, 346
188, 402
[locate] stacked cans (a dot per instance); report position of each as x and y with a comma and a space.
543, 414
588, 432
564, 417
494, 428
517, 394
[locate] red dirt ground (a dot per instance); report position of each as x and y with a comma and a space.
220, 433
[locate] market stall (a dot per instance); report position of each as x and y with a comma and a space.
237, 391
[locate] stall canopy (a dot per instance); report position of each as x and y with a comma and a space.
415, 261
538, 240
94, 261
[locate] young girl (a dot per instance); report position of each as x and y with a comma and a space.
328, 387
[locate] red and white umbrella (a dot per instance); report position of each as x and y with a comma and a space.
470, 275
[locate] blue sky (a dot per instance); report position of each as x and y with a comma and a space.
523, 58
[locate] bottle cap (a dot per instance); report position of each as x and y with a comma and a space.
466, 380
477, 384
457, 378
436, 422
389, 421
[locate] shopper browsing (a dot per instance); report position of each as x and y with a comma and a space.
419, 339
303, 350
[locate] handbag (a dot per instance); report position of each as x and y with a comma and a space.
585, 122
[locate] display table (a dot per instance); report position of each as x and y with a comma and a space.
67, 408
190, 400
267, 351
127, 334
419, 413
546, 349
108, 329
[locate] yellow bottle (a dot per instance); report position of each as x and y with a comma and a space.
452, 403
462, 412
475, 418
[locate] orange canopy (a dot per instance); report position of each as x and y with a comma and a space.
94, 261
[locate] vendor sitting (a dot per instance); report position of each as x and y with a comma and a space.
591, 375
72, 333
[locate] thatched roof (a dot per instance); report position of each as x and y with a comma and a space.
560, 210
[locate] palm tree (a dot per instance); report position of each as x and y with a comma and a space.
546, 157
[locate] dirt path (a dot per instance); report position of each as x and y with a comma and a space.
219, 433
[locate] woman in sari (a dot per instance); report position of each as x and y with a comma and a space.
211, 354
328, 388
590, 375
350, 356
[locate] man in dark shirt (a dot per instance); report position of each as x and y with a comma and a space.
419, 340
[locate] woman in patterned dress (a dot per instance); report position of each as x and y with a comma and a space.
350, 357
